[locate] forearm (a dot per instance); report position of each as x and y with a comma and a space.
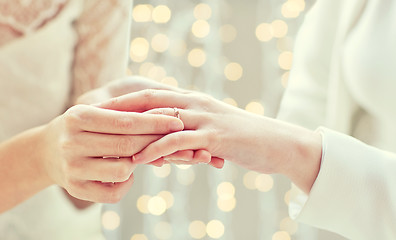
21, 172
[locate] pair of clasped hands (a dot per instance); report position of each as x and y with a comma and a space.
93, 149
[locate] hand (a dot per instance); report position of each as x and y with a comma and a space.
252, 141
135, 83
88, 150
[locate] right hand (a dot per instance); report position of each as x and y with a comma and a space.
80, 146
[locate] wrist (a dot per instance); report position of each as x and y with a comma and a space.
303, 162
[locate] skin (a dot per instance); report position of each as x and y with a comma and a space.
69, 150
254, 142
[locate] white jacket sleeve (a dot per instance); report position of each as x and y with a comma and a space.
304, 100
354, 193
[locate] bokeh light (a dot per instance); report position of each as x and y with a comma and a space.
196, 57
139, 49
142, 13
156, 205
288, 225
202, 11
200, 28
255, 107
110, 220
264, 182
215, 229
142, 203
161, 14
139, 237
281, 235
197, 229
163, 171
233, 71
285, 60
160, 42
230, 101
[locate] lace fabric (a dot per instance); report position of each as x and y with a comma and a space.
20, 17
101, 31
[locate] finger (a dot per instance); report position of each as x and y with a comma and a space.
94, 119
202, 156
158, 163
171, 143
98, 145
96, 191
103, 169
147, 99
190, 119
217, 162
182, 156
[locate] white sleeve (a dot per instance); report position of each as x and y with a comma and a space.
354, 193
304, 100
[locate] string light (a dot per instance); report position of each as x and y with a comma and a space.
139, 237
285, 60
200, 28
202, 11
281, 235
160, 43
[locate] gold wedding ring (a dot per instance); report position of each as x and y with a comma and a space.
176, 113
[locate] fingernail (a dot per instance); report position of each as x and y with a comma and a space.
136, 158
176, 126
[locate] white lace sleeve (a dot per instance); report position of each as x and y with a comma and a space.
102, 50
21, 17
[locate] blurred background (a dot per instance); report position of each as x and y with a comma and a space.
239, 52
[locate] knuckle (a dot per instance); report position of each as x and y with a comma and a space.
74, 116
124, 123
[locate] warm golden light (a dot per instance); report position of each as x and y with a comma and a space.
156, 205
142, 203
168, 197
200, 28
202, 11
227, 33
160, 43
233, 71
161, 14
281, 235
287, 197
249, 180
279, 28
186, 176
285, 79
264, 182
230, 101
139, 237
215, 229
171, 81
226, 205
196, 57
110, 220
225, 190
197, 229
139, 49
142, 13
163, 171
264, 32
285, 60
255, 107
292, 8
